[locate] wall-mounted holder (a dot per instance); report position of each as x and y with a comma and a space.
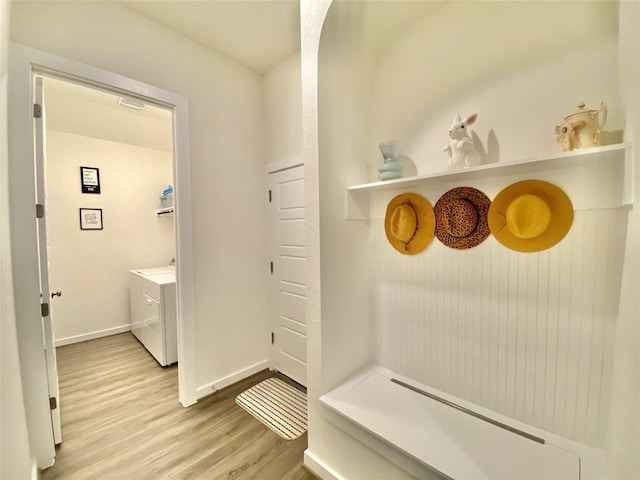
164, 211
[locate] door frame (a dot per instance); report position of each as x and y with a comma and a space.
275, 167
24, 63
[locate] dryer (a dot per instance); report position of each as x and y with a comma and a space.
153, 311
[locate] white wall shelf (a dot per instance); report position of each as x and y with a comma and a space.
593, 178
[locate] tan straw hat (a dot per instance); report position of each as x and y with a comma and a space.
461, 217
409, 223
530, 216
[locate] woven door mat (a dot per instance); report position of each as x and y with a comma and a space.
279, 406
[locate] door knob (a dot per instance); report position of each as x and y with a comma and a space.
56, 294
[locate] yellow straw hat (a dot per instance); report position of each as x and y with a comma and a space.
461, 217
530, 216
409, 223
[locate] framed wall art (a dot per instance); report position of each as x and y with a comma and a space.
90, 219
90, 178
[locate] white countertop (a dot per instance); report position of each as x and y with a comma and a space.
159, 275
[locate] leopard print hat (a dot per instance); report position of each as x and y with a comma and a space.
461, 217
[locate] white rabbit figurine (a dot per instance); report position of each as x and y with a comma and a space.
462, 152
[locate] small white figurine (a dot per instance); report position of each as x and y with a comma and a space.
462, 152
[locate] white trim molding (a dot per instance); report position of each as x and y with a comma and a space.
284, 164
223, 382
92, 335
25, 63
318, 467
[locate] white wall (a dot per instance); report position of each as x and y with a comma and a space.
522, 67
623, 436
226, 142
282, 92
15, 454
467, 338
91, 267
505, 61
335, 125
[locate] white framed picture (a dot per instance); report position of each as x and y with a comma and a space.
90, 219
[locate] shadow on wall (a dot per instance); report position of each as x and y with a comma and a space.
492, 153
409, 168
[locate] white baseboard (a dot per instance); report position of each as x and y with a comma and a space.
92, 335
319, 468
231, 379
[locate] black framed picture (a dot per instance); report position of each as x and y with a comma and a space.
90, 178
90, 219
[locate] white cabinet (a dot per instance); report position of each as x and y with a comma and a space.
153, 313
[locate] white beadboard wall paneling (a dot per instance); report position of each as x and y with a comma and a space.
527, 335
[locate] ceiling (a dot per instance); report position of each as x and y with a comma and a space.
259, 34
89, 112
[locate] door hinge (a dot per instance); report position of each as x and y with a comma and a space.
269, 196
271, 266
39, 210
273, 338
37, 110
44, 308
53, 403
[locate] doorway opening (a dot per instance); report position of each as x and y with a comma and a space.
25, 65
287, 243
125, 154
94, 229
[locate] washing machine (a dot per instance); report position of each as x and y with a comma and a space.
153, 311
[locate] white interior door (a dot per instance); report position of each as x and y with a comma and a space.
288, 277
45, 293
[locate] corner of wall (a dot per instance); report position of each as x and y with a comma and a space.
15, 453
623, 439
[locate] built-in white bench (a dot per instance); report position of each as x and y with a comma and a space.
455, 438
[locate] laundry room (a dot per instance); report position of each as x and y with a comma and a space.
108, 162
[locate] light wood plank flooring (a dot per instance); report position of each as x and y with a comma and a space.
121, 419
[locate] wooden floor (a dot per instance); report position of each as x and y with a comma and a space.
121, 419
